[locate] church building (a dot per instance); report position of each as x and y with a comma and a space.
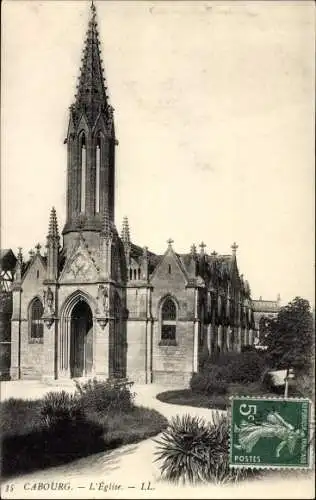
94, 303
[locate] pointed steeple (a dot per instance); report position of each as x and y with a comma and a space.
91, 145
91, 97
125, 234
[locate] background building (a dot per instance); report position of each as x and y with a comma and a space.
264, 310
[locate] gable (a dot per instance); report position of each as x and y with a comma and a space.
80, 266
169, 271
99, 124
36, 271
83, 124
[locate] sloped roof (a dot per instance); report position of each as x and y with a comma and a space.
26, 265
7, 259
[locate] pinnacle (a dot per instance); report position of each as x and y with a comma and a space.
53, 225
125, 234
106, 223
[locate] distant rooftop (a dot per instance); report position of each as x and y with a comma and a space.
266, 305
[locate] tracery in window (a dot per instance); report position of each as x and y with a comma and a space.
168, 321
35, 320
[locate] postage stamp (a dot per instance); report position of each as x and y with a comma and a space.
270, 433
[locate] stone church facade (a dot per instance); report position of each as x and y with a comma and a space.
96, 304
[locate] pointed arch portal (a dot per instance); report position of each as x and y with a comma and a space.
81, 340
76, 336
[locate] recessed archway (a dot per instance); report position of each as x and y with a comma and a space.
81, 339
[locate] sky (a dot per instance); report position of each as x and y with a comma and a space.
214, 112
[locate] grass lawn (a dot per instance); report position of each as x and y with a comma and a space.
28, 444
213, 401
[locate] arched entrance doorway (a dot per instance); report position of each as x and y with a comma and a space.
81, 340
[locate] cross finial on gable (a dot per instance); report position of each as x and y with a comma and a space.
214, 253
20, 255
38, 248
170, 241
193, 250
234, 248
202, 247
31, 253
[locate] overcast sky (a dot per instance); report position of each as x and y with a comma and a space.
214, 111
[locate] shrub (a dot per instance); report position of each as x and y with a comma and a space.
61, 408
243, 367
248, 348
18, 416
190, 450
304, 385
105, 395
208, 383
60, 442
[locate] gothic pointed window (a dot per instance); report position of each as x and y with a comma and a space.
168, 321
97, 174
83, 165
35, 321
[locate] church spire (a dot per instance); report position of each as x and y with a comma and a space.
90, 145
91, 97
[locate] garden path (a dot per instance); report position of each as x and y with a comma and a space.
132, 467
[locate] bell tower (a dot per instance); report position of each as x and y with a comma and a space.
90, 146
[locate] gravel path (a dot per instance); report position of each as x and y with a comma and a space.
129, 471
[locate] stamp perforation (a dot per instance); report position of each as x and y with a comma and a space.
287, 433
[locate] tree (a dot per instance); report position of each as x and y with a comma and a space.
290, 337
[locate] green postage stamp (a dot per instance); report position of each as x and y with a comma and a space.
274, 433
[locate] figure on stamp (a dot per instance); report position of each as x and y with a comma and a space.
275, 427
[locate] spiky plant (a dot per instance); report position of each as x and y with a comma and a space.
60, 407
191, 450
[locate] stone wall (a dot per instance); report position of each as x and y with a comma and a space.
5, 334
173, 364
32, 351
